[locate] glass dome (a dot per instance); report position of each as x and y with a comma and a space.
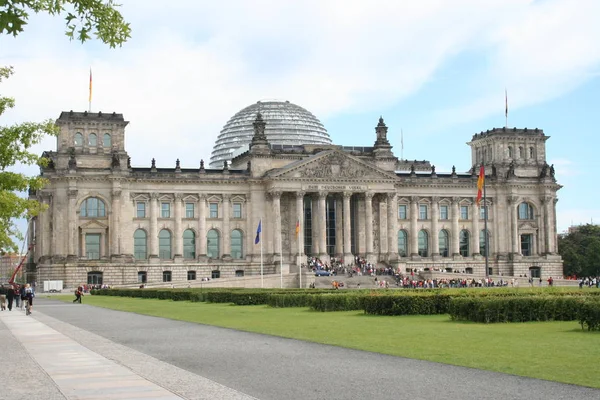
286, 123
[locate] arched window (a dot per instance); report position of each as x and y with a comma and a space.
510, 152
423, 243
444, 243
140, 244
93, 140
93, 207
464, 243
402, 243
525, 211
212, 244
106, 140
189, 244
483, 238
164, 244
521, 152
237, 244
531, 153
78, 139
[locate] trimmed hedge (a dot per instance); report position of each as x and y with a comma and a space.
291, 300
517, 309
589, 315
406, 305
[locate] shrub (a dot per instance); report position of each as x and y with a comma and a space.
406, 305
589, 315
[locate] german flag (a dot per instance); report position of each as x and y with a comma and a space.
480, 183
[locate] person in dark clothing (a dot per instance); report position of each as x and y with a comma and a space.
10, 297
78, 294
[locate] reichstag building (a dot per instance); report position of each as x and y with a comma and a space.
113, 223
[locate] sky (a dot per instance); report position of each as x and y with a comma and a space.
435, 70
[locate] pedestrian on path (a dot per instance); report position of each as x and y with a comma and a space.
10, 297
29, 295
78, 294
23, 296
17, 291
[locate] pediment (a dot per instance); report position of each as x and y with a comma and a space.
94, 224
333, 164
529, 225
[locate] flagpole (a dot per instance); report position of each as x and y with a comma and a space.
485, 228
299, 252
401, 144
505, 109
262, 281
90, 94
281, 261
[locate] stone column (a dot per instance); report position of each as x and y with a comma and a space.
83, 253
71, 222
300, 220
435, 234
201, 225
322, 226
543, 223
348, 257
475, 241
226, 230
369, 224
276, 202
552, 229
455, 216
178, 234
514, 231
314, 205
153, 225
115, 227
414, 235
392, 221
339, 227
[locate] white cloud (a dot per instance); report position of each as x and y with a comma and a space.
192, 65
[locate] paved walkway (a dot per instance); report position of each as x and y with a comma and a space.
49, 365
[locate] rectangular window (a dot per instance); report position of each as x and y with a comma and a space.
422, 211
483, 212
141, 210
142, 277
464, 212
189, 210
526, 245
443, 212
214, 210
402, 211
191, 275
165, 210
237, 210
166, 276
92, 246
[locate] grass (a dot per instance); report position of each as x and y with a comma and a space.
556, 351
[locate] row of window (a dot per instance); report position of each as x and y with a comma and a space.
92, 140
94, 207
464, 240
165, 248
525, 211
190, 210
96, 277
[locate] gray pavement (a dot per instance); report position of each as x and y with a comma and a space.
194, 361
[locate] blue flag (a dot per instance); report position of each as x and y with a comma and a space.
258, 231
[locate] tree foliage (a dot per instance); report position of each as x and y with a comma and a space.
15, 142
580, 251
83, 18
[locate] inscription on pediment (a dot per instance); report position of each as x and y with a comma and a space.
337, 165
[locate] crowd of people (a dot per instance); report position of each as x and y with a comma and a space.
21, 296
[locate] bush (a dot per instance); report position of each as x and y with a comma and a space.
290, 300
589, 315
406, 305
337, 302
516, 309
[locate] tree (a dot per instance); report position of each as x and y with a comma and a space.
83, 18
580, 251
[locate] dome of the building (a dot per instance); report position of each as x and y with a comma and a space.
286, 124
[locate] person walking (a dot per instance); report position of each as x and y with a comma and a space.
10, 297
17, 290
78, 294
23, 296
29, 295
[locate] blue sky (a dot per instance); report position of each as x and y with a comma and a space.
436, 70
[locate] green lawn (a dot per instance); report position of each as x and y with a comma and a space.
557, 351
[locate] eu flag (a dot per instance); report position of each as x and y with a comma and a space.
258, 231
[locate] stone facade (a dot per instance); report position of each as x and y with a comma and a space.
112, 223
